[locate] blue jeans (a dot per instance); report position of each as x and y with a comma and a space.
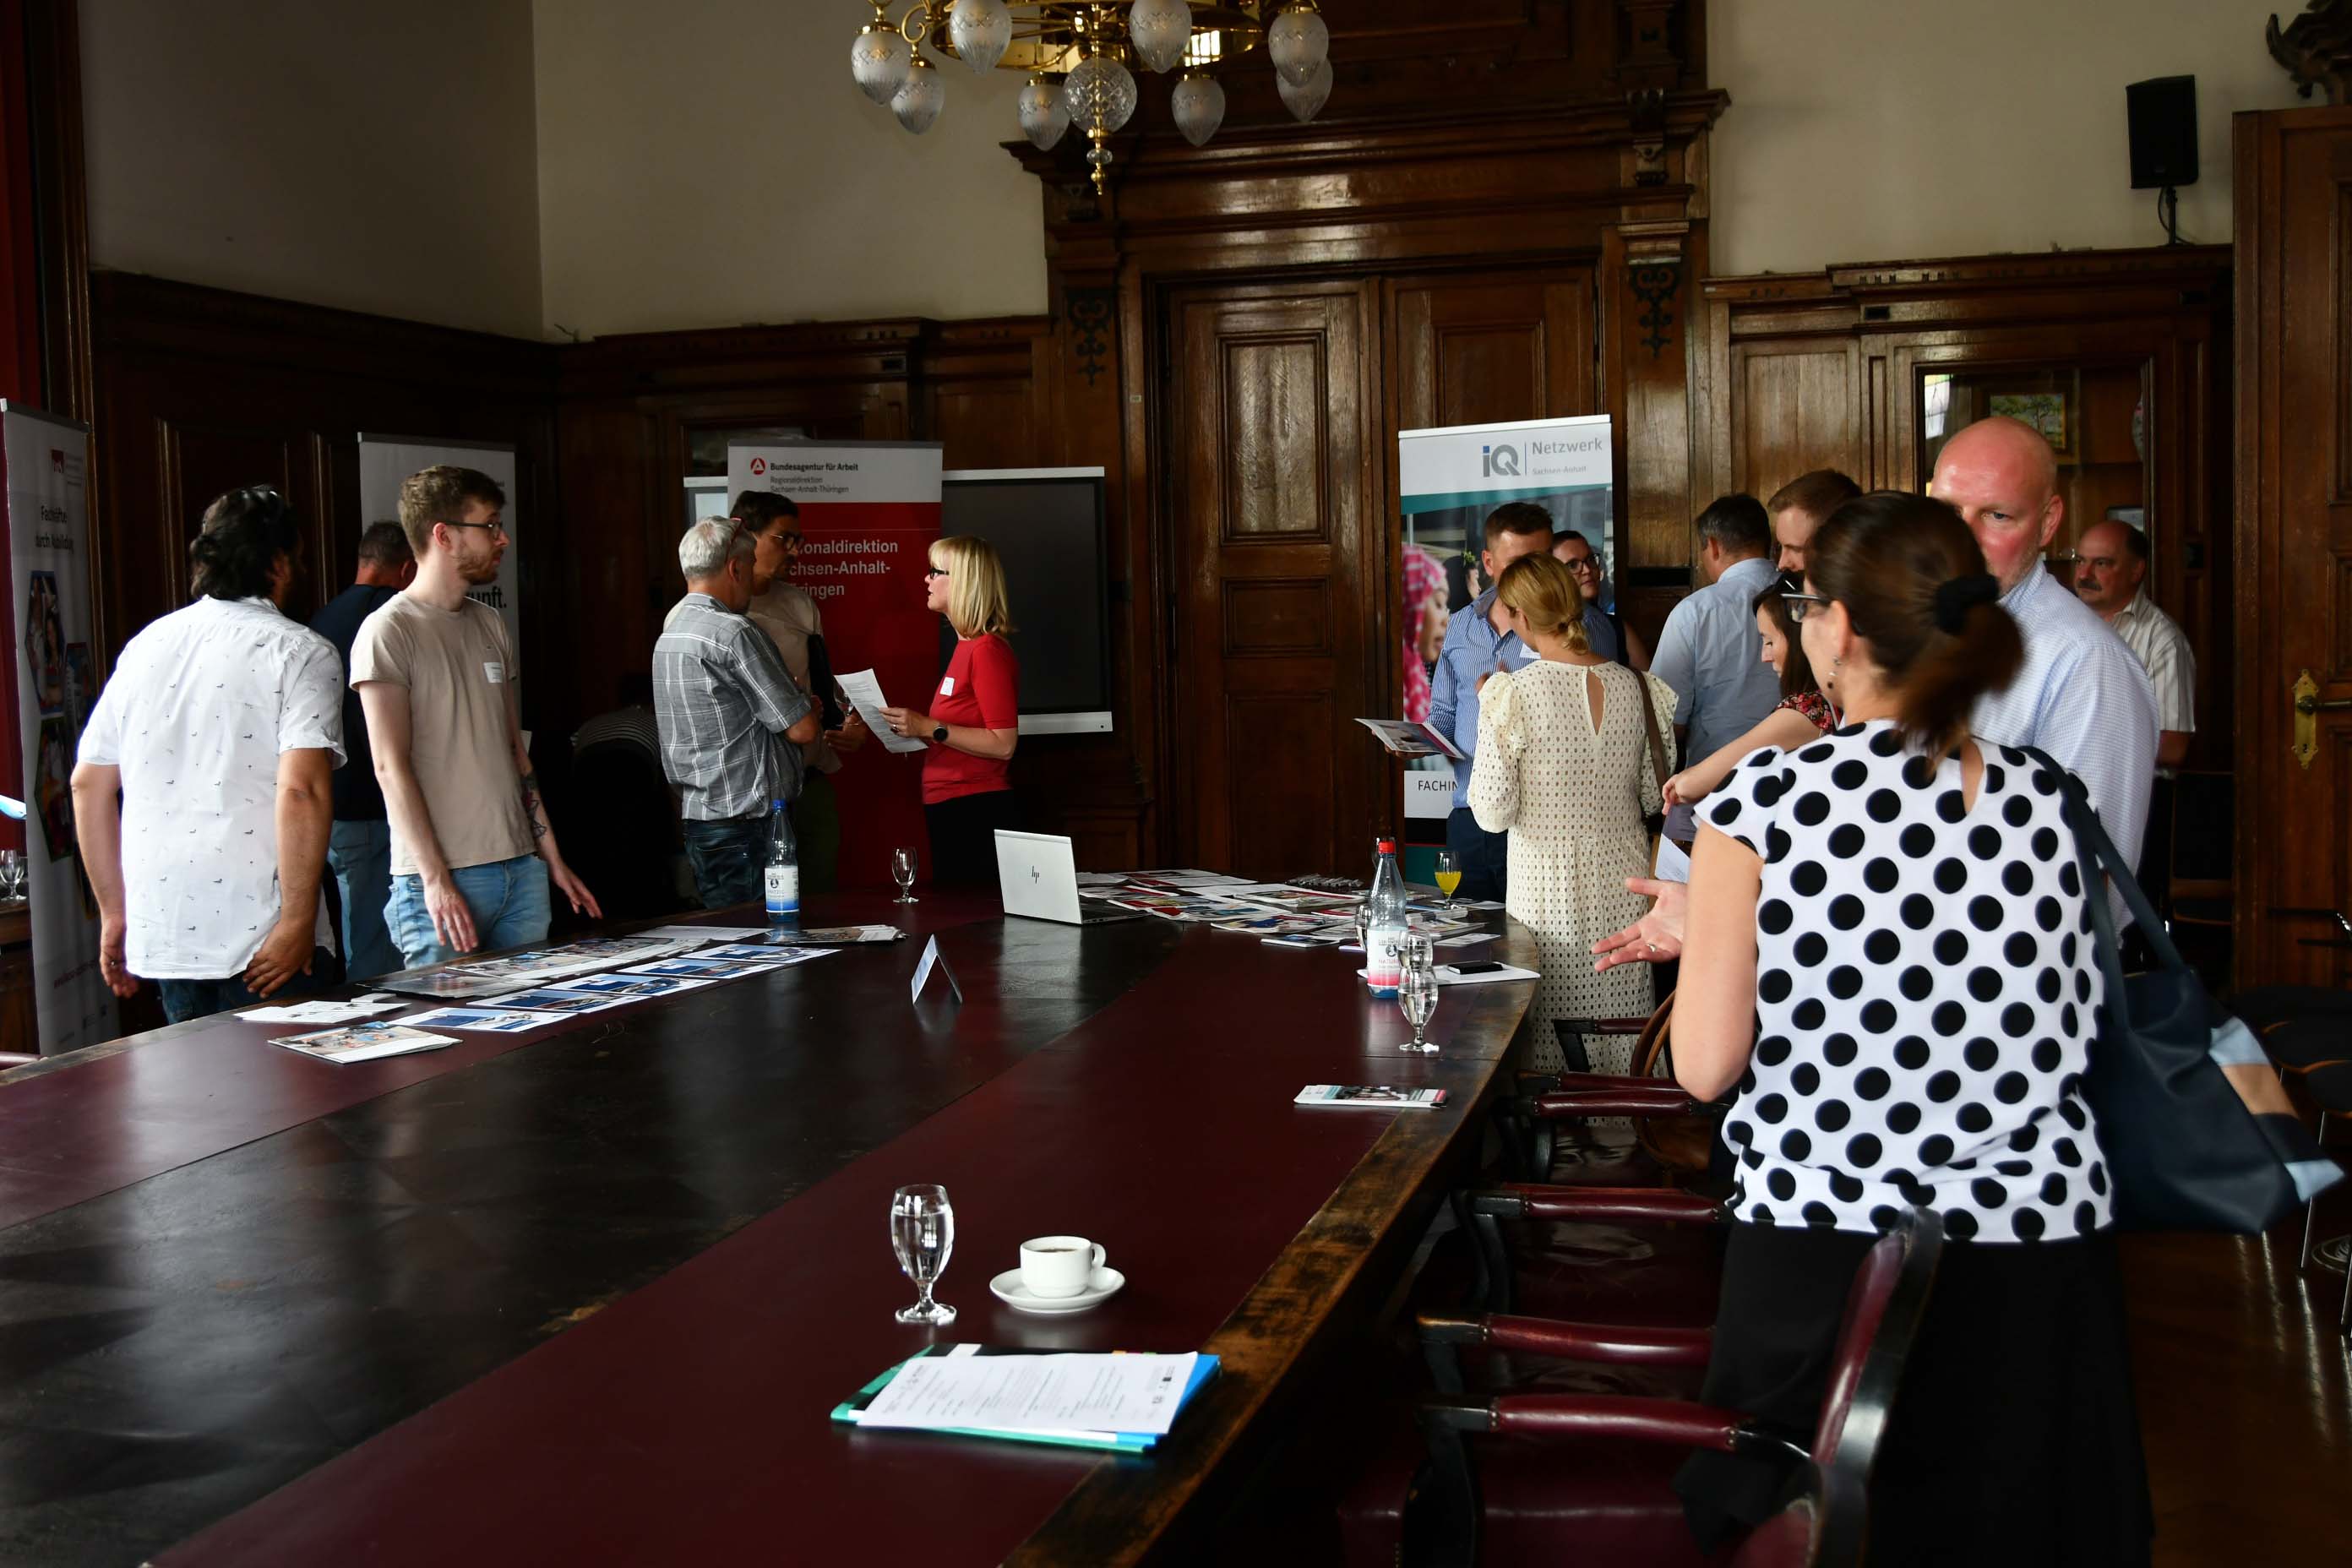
187, 999
730, 860
361, 854
508, 899
1485, 857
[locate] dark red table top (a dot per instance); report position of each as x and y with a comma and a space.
588, 1295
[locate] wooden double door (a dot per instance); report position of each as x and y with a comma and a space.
1279, 529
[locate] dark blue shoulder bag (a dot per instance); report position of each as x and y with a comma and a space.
2198, 1134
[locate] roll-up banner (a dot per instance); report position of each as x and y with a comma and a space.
385, 460
48, 573
1448, 479
868, 513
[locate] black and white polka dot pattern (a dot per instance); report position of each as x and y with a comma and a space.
1927, 992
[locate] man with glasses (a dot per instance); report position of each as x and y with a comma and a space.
788, 616
1606, 634
472, 854
732, 720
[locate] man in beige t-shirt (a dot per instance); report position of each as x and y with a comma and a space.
790, 617
472, 854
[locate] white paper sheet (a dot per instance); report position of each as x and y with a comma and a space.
1673, 866
321, 1012
707, 933
865, 694
1035, 1392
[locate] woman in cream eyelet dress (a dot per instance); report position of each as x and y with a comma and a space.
1563, 765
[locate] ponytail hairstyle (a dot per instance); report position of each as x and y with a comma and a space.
1544, 592
1915, 587
238, 544
1796, 670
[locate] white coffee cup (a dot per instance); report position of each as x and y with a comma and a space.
1054, 1266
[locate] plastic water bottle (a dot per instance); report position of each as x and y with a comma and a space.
783, 870
1384, 925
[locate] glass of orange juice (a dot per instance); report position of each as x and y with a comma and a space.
1449, 875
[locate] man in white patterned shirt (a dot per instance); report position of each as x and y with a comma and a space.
220, 729
2081, 696
732, 722
2112, 578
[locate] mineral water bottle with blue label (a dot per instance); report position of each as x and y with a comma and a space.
783, 870
1384, 922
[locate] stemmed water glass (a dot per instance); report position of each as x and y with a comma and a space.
12, 874
922, 1233
1417, 990
902, 871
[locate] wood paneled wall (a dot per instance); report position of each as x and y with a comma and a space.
200, 390
1826, 369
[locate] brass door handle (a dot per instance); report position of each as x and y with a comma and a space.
2309, 706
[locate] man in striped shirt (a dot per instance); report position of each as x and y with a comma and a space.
732, 723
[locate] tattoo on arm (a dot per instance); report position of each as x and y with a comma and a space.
531, 807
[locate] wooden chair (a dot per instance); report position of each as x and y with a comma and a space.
1544, 1478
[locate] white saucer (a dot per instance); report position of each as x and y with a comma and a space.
1008, 1288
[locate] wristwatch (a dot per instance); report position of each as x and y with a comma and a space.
940, 735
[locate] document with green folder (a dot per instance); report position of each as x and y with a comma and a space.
851, 1411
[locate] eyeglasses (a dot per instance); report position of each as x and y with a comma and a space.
936, 571
485, 527
1583, 563
1797, 603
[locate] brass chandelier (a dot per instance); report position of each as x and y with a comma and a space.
1076, 55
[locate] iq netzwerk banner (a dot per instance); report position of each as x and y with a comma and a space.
869, 511
48, 570
1448, 480
385, 460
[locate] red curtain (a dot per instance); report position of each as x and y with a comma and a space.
20, 343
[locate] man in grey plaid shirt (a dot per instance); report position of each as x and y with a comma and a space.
732, 721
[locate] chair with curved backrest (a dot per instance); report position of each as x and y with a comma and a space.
1542, 1477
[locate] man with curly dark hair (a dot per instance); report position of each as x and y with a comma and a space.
202, 796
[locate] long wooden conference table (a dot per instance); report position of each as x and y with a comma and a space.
589, 1295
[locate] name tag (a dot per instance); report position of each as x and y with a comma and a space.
494, 671
947, 686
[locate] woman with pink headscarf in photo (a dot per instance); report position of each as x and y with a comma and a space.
1425, 628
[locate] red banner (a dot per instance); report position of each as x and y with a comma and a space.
869, 511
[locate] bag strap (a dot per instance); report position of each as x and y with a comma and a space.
2100, 859
1650, 725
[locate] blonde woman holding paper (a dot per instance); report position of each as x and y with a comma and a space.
974, 718
1563, 765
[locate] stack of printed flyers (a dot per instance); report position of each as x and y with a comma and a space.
1121, 1401
516, 992
1281, 913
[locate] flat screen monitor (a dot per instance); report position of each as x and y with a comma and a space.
1047, 527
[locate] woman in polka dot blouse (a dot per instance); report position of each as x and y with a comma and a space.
1888, 953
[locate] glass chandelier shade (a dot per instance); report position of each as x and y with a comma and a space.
1298, 43
1160, 29
919, 99
1044, 116
982, 30
1305, 101
878, 61
1199, 106
1099, 94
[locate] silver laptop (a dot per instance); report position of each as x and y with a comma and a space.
1040, 880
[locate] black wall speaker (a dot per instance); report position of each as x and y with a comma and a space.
2163, 112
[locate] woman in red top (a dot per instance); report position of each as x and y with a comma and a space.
1808, 707
974, 718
